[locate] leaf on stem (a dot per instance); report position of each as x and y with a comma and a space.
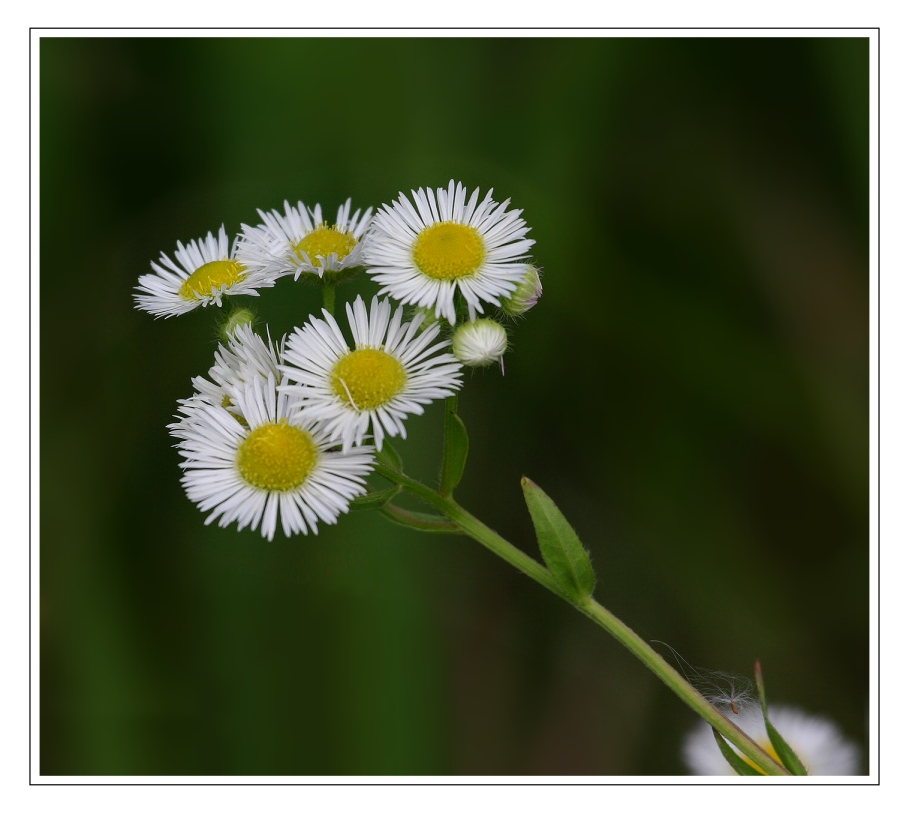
784, 751
454, 455
738, 764
562, 551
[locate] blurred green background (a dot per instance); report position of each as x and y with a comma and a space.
692, 390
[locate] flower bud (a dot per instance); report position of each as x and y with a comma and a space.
525, 296
236, 318
480, 343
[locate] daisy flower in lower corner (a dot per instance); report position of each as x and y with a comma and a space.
426, 251
391, 371
301, 242
817, 742
275, 466
201, 273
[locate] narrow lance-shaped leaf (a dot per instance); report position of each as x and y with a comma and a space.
454, 455
562, 551
783, 750
738, 764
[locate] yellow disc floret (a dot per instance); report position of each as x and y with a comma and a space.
368, 378
449, 251
324, 241
212, 275
277, 456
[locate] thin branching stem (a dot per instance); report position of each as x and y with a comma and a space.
596, 612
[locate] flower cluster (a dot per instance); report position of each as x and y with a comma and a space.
287, 432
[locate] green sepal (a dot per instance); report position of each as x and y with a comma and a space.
337, 277
562, 551
783, 750
374, 499
454, 455
389, 457
738, 764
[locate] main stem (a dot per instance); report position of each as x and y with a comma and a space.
596, 612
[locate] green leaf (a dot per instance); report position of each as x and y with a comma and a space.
787, 756
454, 455
389, 457
374, 499
738, 764
562, 551
783, 750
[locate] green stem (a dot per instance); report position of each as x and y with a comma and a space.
328, 296
475, 529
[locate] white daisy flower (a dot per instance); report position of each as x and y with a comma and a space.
391, 371
201, 274
276, 465
480, 343
816, 741
244, 357
301, 242
423, 253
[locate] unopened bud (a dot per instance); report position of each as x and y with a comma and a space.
525, 296
235, 319
480, 343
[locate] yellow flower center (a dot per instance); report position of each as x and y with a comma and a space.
325, 241
368, 378
277, 456
212, 275
449, 251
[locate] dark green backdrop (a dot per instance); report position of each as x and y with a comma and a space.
692, 390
